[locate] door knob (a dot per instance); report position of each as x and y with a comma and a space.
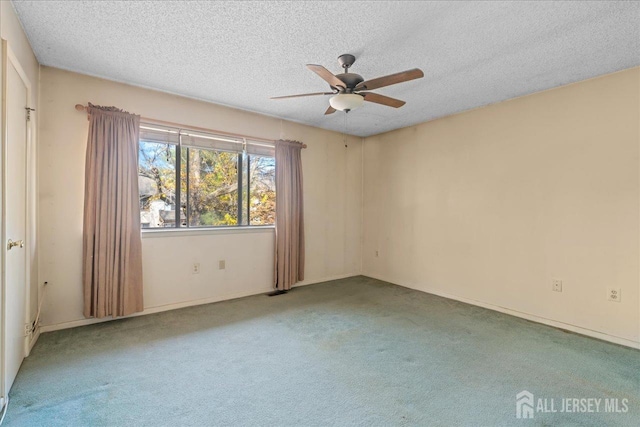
11, 244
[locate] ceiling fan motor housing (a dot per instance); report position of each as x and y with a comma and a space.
350, 80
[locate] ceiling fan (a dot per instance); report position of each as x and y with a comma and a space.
350, 90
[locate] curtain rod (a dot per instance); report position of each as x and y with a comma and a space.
81, 107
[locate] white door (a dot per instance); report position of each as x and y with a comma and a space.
15, 218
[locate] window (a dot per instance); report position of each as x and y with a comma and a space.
213, 180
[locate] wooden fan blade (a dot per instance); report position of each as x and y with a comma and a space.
330, 110
303, 94
391, 79
326, 75
381, 99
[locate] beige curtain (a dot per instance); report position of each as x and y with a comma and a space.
112, 247
289, 263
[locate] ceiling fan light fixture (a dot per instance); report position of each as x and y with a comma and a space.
346, 101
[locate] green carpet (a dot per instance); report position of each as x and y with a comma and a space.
352, 352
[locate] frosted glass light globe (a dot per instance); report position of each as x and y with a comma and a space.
346, 101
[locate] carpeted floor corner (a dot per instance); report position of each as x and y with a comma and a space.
351, 352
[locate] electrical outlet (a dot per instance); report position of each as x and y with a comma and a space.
221, 264
614, 294
377, 254
196, 268
556, 285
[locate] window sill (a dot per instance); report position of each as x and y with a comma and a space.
182, 232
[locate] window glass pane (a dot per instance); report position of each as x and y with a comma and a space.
218, 186
157, 183
213, 188
244, 188
183, 187
262, 190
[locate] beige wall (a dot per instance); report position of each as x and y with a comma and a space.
489, 205
332, 188
486, 206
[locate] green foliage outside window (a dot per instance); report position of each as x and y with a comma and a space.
217, 188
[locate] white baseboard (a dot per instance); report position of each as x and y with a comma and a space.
34, 338
174, 306
325, 279
157, 309
528, 316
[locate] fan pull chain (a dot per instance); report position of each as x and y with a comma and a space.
346, 130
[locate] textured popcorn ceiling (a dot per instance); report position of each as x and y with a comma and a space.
241, 53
